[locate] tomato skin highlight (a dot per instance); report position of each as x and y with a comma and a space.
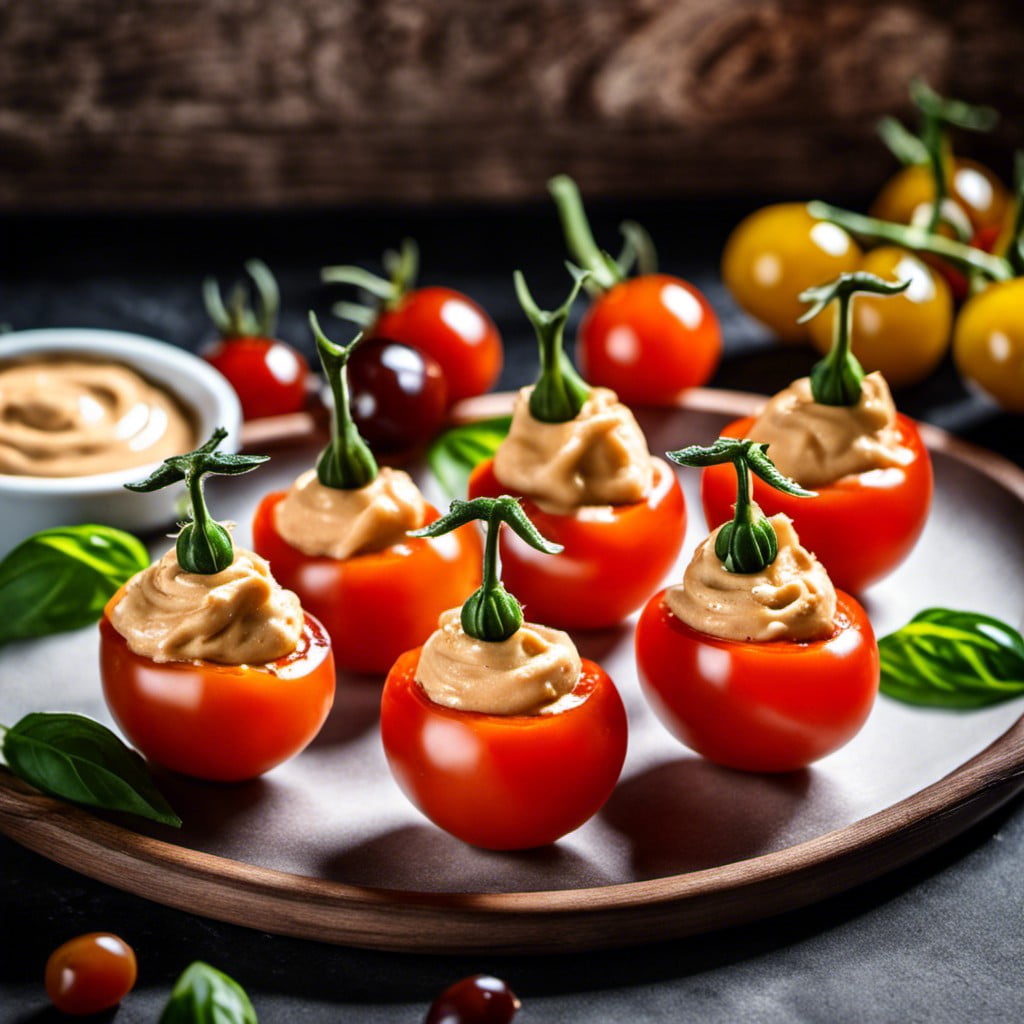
270, 377
760, 707
377, 605
453, 329
615, 555
90, 973
504, 782
649, 338
860, 527
225, 723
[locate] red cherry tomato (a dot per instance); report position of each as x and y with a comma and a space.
504, 782
615, 555
269, 377
480, 999
377, 605
861, 527
764, 707
220, 722
454, 330
649, 338
90, 973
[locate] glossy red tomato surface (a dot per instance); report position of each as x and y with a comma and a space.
90, 973
614, 557
504, 782
377, 605
861, 527
220, 722
479, 999
453, 329
763, 707
649, 338
270, 377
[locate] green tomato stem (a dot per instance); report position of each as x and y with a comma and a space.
605, 273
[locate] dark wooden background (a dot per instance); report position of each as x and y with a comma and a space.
244, 103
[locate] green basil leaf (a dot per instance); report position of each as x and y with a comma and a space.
60, 579
204, 995
457, 452
75, 758
952, 659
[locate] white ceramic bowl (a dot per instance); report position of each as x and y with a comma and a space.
28, 504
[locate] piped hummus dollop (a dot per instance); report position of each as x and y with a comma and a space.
791, 599
817, 444
240, 616
599, 457
524, 675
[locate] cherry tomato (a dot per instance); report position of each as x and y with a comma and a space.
988, 342
614, 558
451, 328
504, 782
861, 527
761, 707
398, 394
480, 999
220, 722
90, 973
270, 377
905, 336
649, 338
774, 254
376, 605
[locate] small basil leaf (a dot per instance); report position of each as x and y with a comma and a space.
952, 659
204, 995
457, 452
60, 579
73, 757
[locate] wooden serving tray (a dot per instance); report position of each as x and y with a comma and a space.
325, 847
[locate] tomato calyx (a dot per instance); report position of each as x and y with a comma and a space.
236, 318
402, 268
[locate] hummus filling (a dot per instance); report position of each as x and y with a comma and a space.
523, 675
791, 599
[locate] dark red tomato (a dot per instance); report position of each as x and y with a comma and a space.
398, 396
480, 999
270, 377
377, 605
504, 782
90, 973
614, 556
220, 722
861, 527
454, 330
649, 338
762, 707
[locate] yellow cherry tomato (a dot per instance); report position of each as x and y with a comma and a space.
777, 252
906, 335
988, 342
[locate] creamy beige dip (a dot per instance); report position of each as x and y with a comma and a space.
241, 616
523, 675
791, 599
598, 458
65, 417
818, 444
336, 523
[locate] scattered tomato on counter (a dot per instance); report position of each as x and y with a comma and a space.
270, 377
649, 337
90, 973
478, 999
756, 661
496, 729
441, 322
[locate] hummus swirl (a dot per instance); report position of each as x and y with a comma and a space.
818, 444
336, 523
240, 616
70, 417
791, 599
523, 675
598, 458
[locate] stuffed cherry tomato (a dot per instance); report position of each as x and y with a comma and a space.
649, 337
496, 729
988, 342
